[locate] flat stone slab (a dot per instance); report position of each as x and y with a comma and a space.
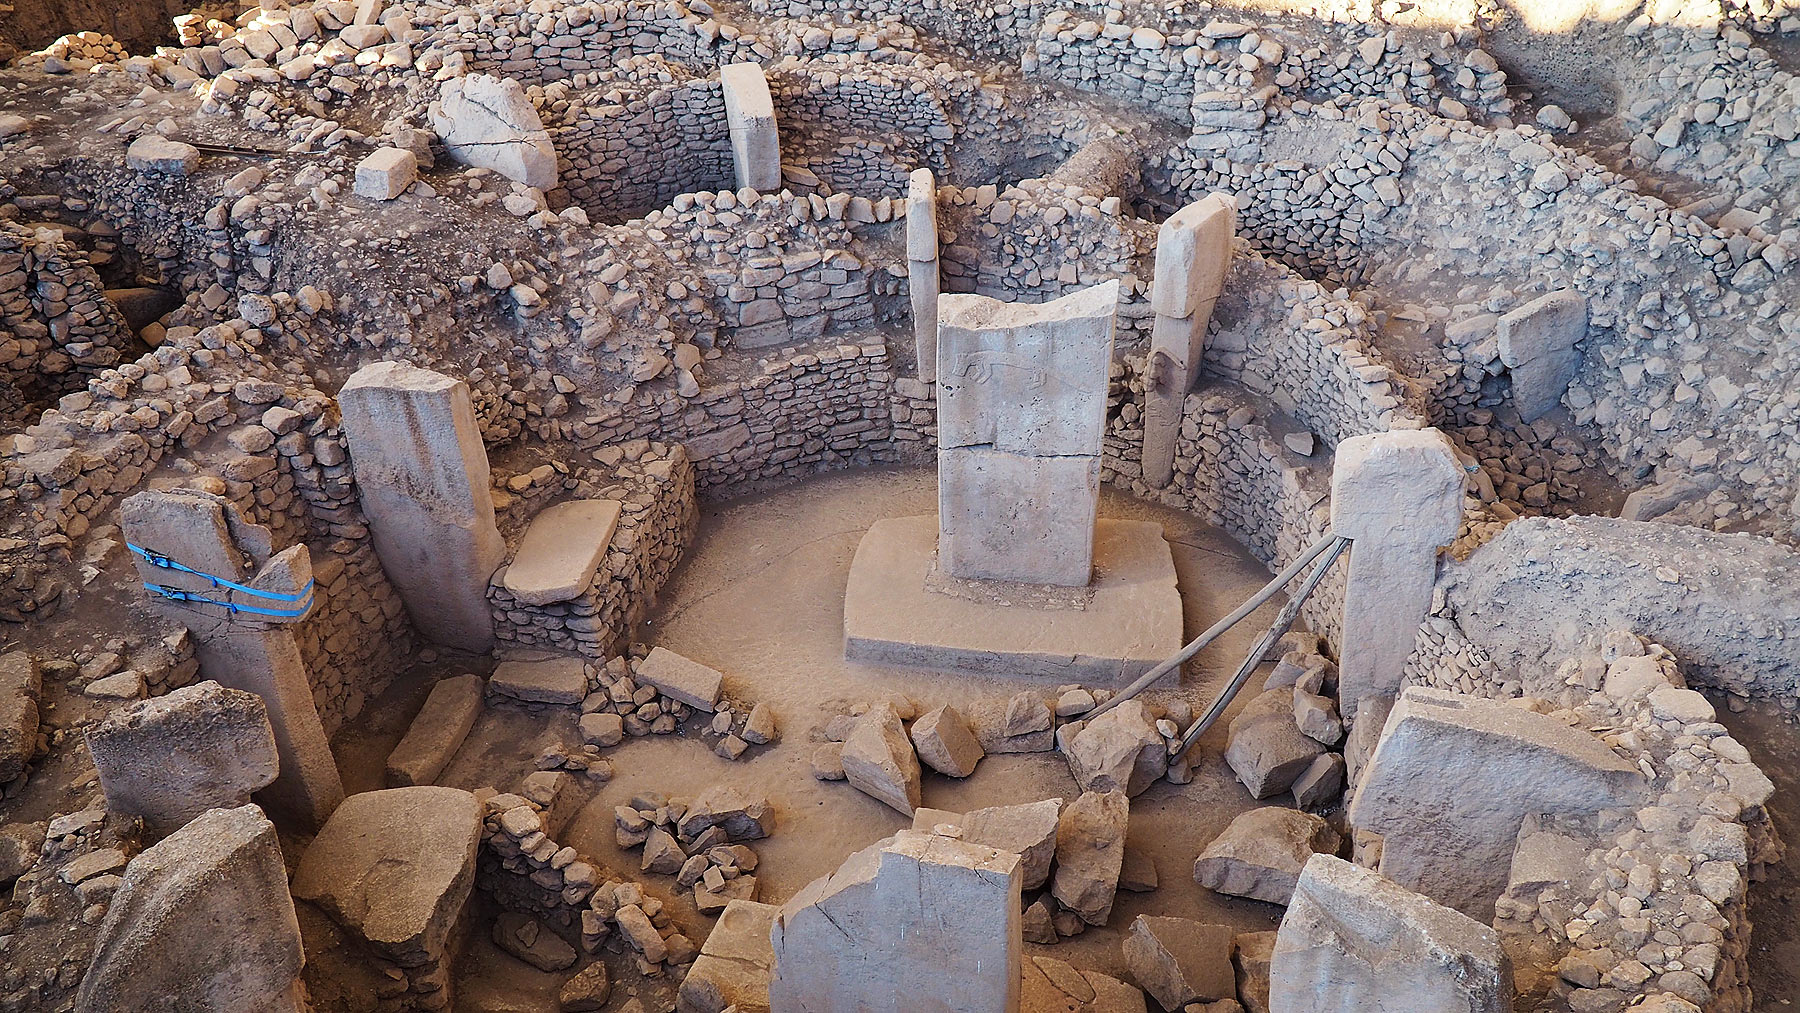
897, 611
554, 680
682, 678
437, 732
560, 551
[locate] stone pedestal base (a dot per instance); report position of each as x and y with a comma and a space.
899, 610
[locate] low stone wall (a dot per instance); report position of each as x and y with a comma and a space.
621, 159
54, 315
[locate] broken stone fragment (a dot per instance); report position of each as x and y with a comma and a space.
662, 853
945, 743
734, 964
1251, 959
1265, 749
681, 679
1179, 960
1261, 853
1322, 782
1090, 852
879, 761
386, 173
602, 728
1028, 831
489, 121
555, 680
156, 153
828, 762
759, 727
740, 816
1120, 750
21, 684
587, 992
532, 941
1316, 717
1138, 873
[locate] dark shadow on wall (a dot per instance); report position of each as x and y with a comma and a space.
139, 25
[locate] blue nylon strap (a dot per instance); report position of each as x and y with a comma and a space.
161, 561
195, 597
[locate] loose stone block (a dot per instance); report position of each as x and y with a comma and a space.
735, 963
1453, 779
156, 153
945, 743
750, 118
203, 915
1090, 851
681, 678
422, 473
1120, 750
554, 680
21, 685
490, 122
1537, 344
1352, 940
386, 173
1264, 747
561, 548
173, 757
915, 922
1021, 417
1399, 494
1261, 853
437, 732
879, 761
1180, 960
1193, 254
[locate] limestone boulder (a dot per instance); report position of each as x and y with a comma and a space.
171, 758
21, 684
490, 122
742, 816
879, 760
1261, 853
1120, 750
945, 742
1180, 960
437, 732
1265, 749
1090, 852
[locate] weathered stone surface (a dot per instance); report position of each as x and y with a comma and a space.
560, 550
437, 732
945, 743
532, 941
203, 915
1179, 960
1120, 750
156, 153
490, 122
1321, 782
422, 475
1021, 415
386, 173
879, 761
1400, 496
741, 816
173, 757
1261, 853
1537, 345
1090, 851
683, 679
735, 963
1193, 253
918, 921
1054, 986
750, 119
1453, 779
1027, 830
394, 867
1353, 940
21, 684
587, 991
553, 680
1251, 959
1264, 748
923, 277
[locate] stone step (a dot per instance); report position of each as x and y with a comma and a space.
436, 733
560, 550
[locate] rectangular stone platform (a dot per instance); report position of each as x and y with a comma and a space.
899, 611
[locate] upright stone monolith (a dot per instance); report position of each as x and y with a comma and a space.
923, 278
750, 117
422, 471
1537, 344
1399, 495
1021, 418
1193, 252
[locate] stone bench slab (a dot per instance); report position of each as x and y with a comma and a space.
686, 680
555, 680
437, 733
560, 551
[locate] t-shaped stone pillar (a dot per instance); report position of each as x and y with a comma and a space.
1193, 252
923, 280
750, 117
422, 472
1399, 495
243, 650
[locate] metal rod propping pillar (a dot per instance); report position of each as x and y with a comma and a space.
1218, 629
1261, 649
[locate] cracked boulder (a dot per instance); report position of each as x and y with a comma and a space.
489, 121
1265, 748
1261, 853
879, 760
1120, 750
1090, 853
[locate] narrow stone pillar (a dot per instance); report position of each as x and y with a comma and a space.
1537, 345
1399, 495
1021, 420
750, 116
422, 472
243, 650
1193, 252
922, 268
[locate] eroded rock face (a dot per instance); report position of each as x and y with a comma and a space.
490, 122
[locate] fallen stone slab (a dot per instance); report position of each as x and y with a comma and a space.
561, 550
171, 758
1027, 830
1120, 750
1261, 853
554, 680
394, 868
879, 761
1264, 748
490, 122
734, 964
437, 732
1179, 960
742, 816
917, 921
945, 743
1453, 778
21, 685
204, 915
1090, 852
532, 941
1352, 939
680, 678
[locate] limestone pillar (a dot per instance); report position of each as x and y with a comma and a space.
1399, 495
750, 116
919, 921
1021, 418
922, 268
1193, 252
1537, 345
242, 650
422, 472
